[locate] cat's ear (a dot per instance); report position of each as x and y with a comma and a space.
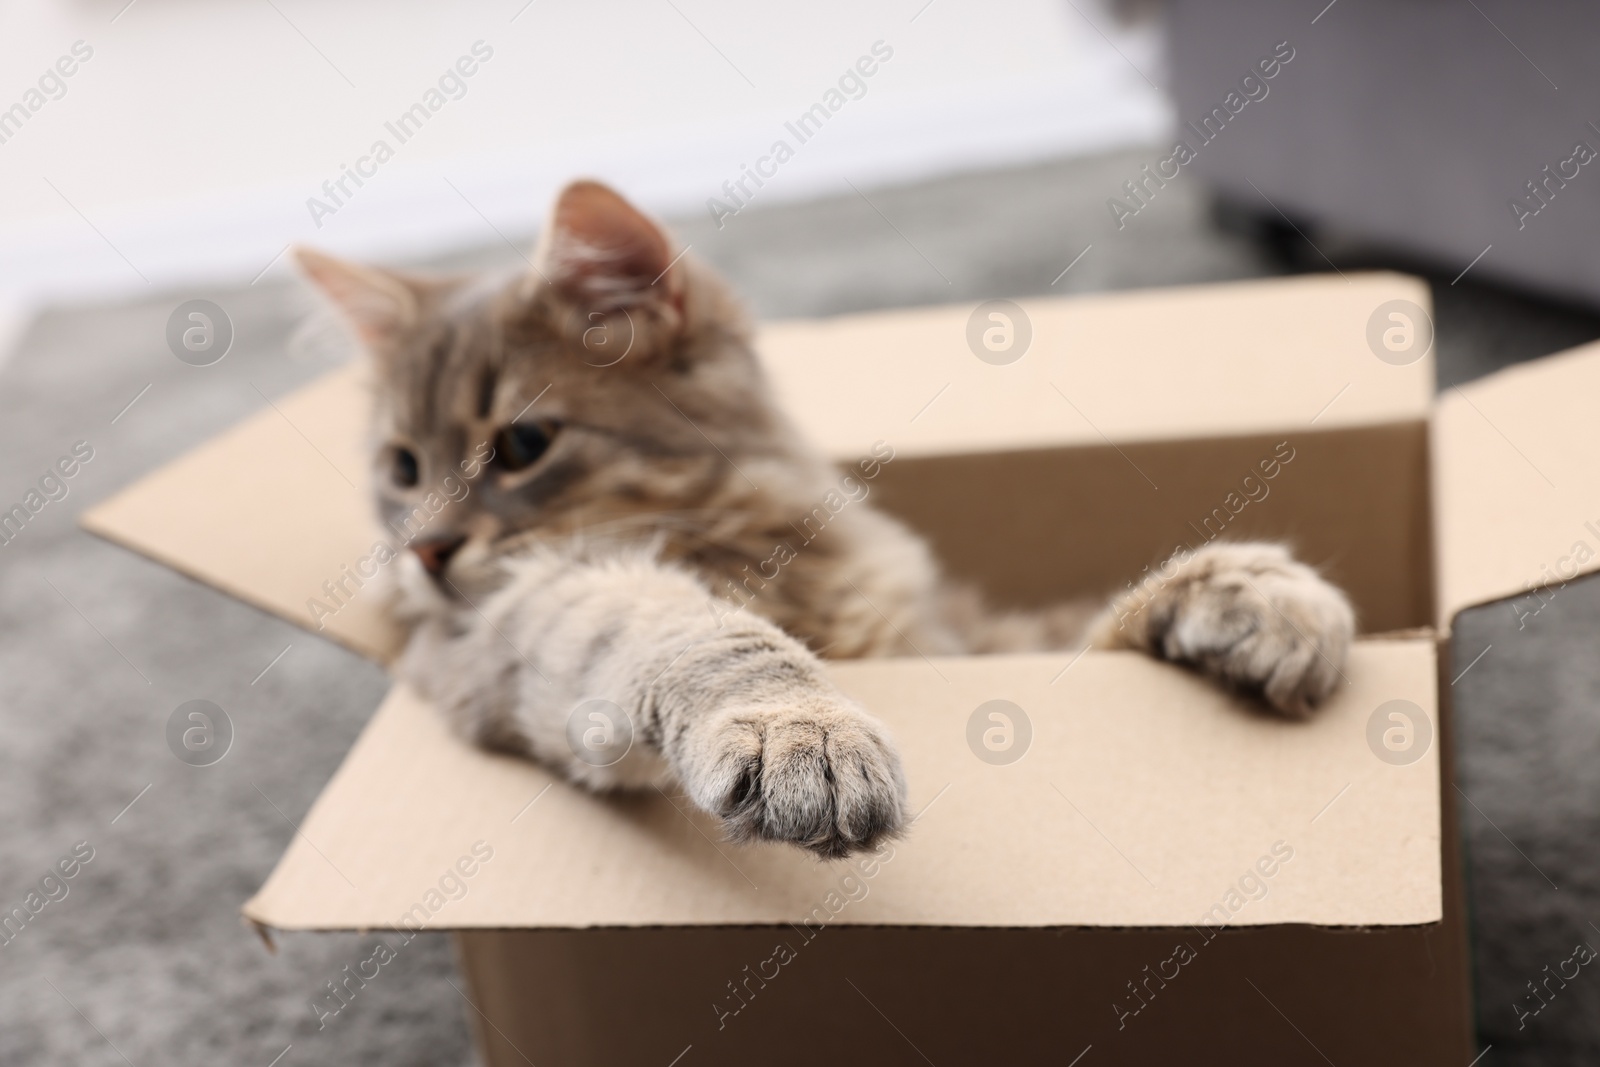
378, 304
603, 254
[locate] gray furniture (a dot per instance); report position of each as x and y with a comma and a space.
1415, 124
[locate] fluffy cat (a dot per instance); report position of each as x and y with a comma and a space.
623, 464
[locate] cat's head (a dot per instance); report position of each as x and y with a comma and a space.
611, 381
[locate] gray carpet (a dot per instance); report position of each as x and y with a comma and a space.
145, 961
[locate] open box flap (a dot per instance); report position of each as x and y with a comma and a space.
276, 511
1517, 482
268, 511
1127, 757
1148, 365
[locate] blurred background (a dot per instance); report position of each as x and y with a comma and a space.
156, 151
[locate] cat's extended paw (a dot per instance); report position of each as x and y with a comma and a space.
1252, 616
824, 776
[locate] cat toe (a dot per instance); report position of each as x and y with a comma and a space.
1264, 624
826, 780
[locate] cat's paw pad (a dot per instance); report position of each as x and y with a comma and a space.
824, 778
1258, 620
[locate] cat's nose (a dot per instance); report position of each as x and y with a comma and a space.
436, 553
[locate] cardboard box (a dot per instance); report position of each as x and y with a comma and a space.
1164, 870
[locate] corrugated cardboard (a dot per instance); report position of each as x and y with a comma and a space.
1203, 361
1517, 490
1106, 785
295, 473
1146, 796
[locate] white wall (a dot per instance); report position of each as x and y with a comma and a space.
193, 137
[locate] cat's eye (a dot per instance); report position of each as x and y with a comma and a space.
519, 446
404, 469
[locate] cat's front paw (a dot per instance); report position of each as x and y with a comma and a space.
824, 776
1251, 616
